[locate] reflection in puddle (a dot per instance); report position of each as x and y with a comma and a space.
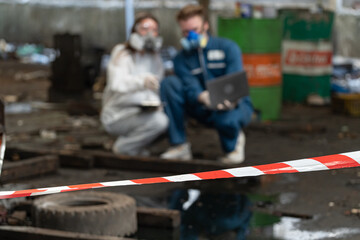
287, 229
212, 216
226, 216
286, 198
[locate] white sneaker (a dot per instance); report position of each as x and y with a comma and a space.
182, 152
238, 155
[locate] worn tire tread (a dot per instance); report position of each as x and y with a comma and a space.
116, 217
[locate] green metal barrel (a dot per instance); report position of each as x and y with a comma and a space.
260, 43
252, 35
306, 54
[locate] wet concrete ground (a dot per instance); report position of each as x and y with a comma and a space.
331, 197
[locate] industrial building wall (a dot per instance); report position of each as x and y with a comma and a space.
346, 35
103, 25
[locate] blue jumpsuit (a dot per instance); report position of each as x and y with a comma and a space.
180, 93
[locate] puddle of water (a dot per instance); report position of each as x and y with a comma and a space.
218, 215
225, 216
28, 107
18, 108
287, 228
286, 198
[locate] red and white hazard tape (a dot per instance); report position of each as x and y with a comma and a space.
344, 160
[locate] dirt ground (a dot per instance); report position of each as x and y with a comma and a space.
331, 197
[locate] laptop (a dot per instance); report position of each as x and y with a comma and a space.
230, 87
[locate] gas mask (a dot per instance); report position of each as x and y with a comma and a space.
147, 43
193, 40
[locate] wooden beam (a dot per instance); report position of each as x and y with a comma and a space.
153, 164
77, 159
33, 233
29, 167
158, 217
67, 158
25, 152
103, 159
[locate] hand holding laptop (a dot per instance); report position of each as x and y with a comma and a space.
226, 105
223, 93
204, 98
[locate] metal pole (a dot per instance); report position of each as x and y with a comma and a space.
129, 16
339, 5
2, 134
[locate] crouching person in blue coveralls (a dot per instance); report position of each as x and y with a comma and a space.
202, 59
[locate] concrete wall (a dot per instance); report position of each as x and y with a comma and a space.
104, 27
347, 35
100, 22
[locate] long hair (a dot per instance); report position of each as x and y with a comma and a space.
139, 18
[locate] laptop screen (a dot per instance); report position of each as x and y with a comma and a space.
230, 87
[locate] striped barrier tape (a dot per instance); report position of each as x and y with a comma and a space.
343, 160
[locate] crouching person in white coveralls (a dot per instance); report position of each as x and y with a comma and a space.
131, 107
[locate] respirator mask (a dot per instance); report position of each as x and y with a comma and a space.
193, 40
147, 43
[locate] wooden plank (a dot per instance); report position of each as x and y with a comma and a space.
154, 164
24, 152
29, 167
33, 233
158, 233
77, 159
103, 159
158, 217
67, 158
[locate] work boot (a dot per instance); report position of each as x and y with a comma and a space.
238, 155
182, 152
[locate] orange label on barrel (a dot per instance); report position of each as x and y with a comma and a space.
263, 69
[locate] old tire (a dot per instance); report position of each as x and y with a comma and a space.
99, 213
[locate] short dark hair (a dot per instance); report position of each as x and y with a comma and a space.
189, 11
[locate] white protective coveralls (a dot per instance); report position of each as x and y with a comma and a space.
121, 115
